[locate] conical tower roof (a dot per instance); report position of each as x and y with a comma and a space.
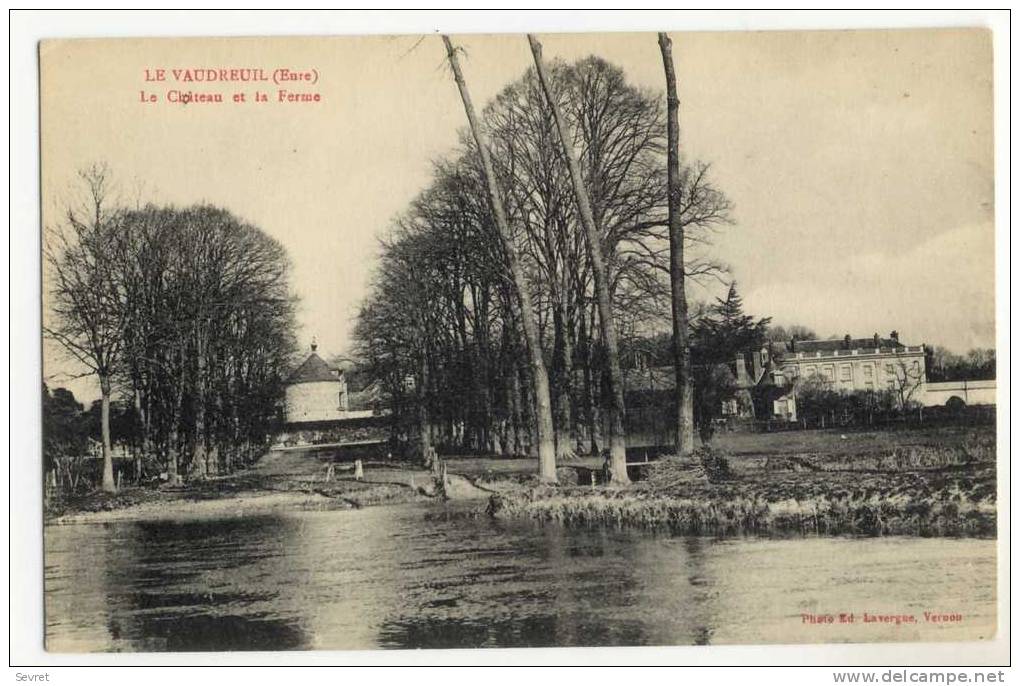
314, 368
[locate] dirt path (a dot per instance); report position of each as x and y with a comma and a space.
305, 466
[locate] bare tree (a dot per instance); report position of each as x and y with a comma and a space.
444, 306
908, 378
540, 377
617, 409
86, 296
684, 430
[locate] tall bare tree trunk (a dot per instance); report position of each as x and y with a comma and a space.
516, 413
424, 427
562, 378
684, 436
539, 375
175, 454
200, 457
143, 425
591, 418
617, 410
108, 484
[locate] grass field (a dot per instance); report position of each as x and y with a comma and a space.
757, 445
846, 442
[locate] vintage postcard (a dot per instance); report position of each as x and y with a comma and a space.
519, 340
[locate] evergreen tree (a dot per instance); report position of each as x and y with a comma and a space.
726, 330
723, 332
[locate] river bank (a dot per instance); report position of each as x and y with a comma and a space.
943, 488
939, 484
212, 499
280, 481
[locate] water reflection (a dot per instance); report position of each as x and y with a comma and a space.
402, 577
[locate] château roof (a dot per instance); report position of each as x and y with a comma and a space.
314, 368
844, 344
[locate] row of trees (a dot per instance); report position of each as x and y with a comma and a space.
975, 364
185, 312
494, 315
72, 433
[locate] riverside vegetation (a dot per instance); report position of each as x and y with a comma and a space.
936, 482
943, 488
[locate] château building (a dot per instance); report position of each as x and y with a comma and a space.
858, 364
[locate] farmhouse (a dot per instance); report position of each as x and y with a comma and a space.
761, 388
758, 388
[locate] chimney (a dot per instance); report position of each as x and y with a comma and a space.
793, 345
895, 335
878, 342
757, 364
742, 379
846, 342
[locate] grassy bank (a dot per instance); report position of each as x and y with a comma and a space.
933, 487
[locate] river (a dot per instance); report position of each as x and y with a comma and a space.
423, 576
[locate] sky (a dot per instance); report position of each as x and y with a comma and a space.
859, 163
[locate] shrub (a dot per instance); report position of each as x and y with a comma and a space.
715, 464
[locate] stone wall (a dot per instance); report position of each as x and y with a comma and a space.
970, 392
316, 401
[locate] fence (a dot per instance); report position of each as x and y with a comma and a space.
653, 425
972, 415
